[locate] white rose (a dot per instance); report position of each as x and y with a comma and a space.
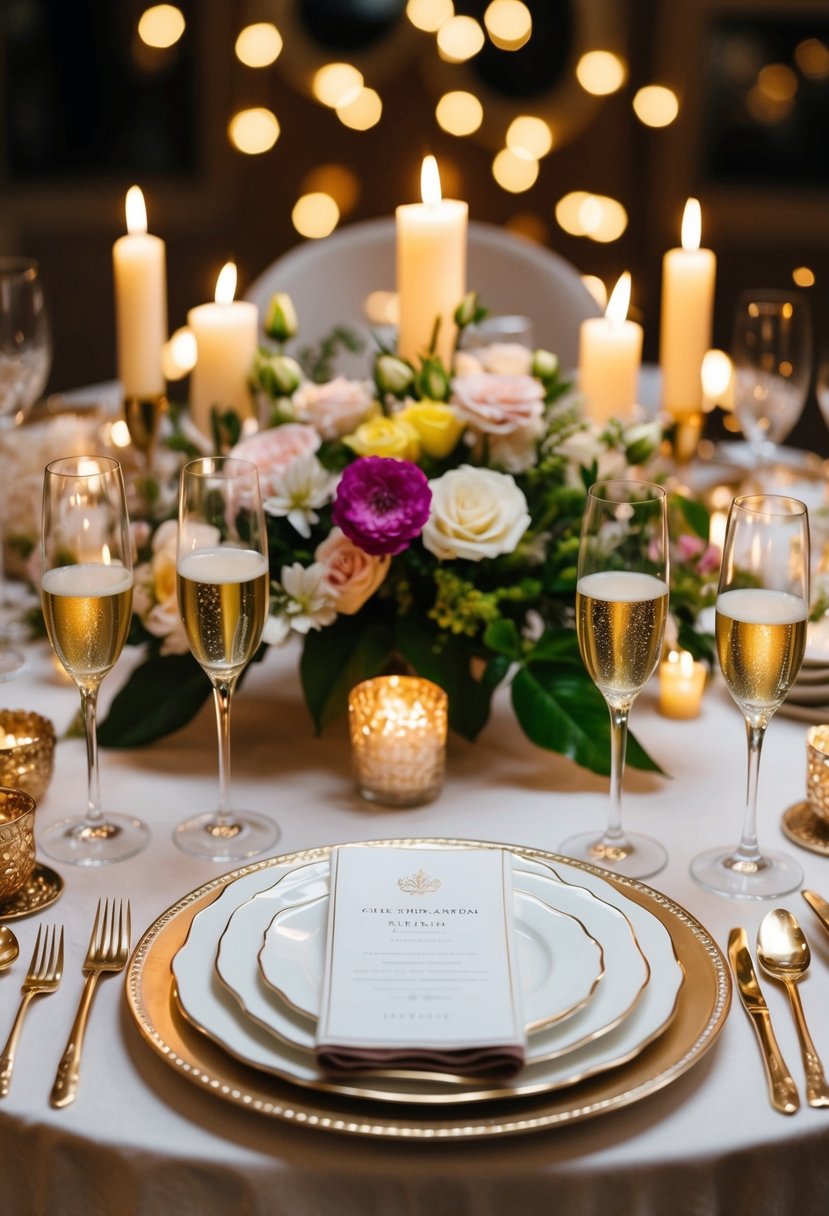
476, 513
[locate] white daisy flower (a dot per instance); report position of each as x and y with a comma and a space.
298, 490
303, 601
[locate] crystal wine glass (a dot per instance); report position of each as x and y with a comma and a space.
761, 617
621, 610
25, 360
772, 355
222, 583
86, 593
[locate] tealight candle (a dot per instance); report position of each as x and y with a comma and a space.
226, 334
610, 356
688, 276
431, 268
27, 749
681, 683
398, 739
139, 268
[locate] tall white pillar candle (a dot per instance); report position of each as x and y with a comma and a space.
140, 276
610, 357
688, 277
226, 334
431, 268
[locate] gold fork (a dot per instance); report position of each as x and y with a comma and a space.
109, 947
43, 976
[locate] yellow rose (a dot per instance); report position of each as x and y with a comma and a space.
437, 425
164, 575
385, 437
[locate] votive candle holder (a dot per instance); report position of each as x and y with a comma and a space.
398, 730
27, 751
17, 841
817, 770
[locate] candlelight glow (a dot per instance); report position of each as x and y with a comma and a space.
804, 276
509, 24
226, 284
812, 57
136, 210
717, 374
179, 354
655, 105
617, 305
459, 113
595, 216
459, 39
429, 15
529, 137
253, 131
119, 434
600, 73
514, 173
259, 45
430, 191
597, 289
692, 224
335, 84
361, 110
382, 308
339, 181
315, 215
161, 26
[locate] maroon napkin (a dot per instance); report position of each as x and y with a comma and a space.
494, 1062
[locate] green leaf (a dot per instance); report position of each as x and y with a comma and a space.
502, 637
695, 515
338, 657
557, 646
161, 696
450, 661
564, 712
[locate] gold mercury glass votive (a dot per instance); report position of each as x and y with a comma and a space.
27, 751
17, 841
398, 739
817, 770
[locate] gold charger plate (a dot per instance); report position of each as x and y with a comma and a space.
701, 1011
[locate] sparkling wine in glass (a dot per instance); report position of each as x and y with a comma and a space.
621, 610
761, 618
772, 356
86, 594
25, 361
222, 584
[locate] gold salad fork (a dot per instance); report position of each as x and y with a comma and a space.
108, 950
43, 976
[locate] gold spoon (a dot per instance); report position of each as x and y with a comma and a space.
784, 954
9, 949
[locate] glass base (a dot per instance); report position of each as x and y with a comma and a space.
81, 843
774, 874
11, 663
247, 835
637, 857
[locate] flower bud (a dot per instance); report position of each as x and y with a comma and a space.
433, 381
545, 365
392, 375
279, 375
280, 318
468, 310
641, 441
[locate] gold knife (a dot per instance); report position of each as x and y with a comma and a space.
782, 1089
818, 905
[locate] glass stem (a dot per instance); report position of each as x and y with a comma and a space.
221, 697
747, 852
89, 709
614, 835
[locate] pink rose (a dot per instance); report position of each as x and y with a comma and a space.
352, 575
273, 450
336, 408
499, 405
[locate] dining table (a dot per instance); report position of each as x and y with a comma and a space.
142, 1138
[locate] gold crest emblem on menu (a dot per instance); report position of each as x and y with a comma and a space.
419, 884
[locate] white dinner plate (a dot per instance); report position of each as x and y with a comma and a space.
559, 963
208, 1005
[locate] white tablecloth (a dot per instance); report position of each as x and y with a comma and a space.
140, 1139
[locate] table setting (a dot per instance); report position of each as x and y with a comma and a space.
432, 599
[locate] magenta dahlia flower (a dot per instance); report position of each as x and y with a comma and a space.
382, 504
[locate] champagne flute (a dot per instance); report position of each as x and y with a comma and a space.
621, 610
762, 611
222, 583
772, 355
86, 593
25, 360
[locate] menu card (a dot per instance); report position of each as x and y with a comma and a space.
420, 968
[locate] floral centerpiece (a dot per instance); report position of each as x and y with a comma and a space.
426, 519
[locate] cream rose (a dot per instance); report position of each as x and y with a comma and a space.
274, 449
507, 359
499, 405
476, 513
336, 408
154, 596
352, 575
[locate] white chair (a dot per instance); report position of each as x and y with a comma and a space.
329, 280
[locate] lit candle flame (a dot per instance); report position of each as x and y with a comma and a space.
617, 305
136, 210
691, 224
430, 190
226, 284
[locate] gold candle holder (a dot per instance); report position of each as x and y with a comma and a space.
143, 418
817, 770
17, 841
398, 739
27, 751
